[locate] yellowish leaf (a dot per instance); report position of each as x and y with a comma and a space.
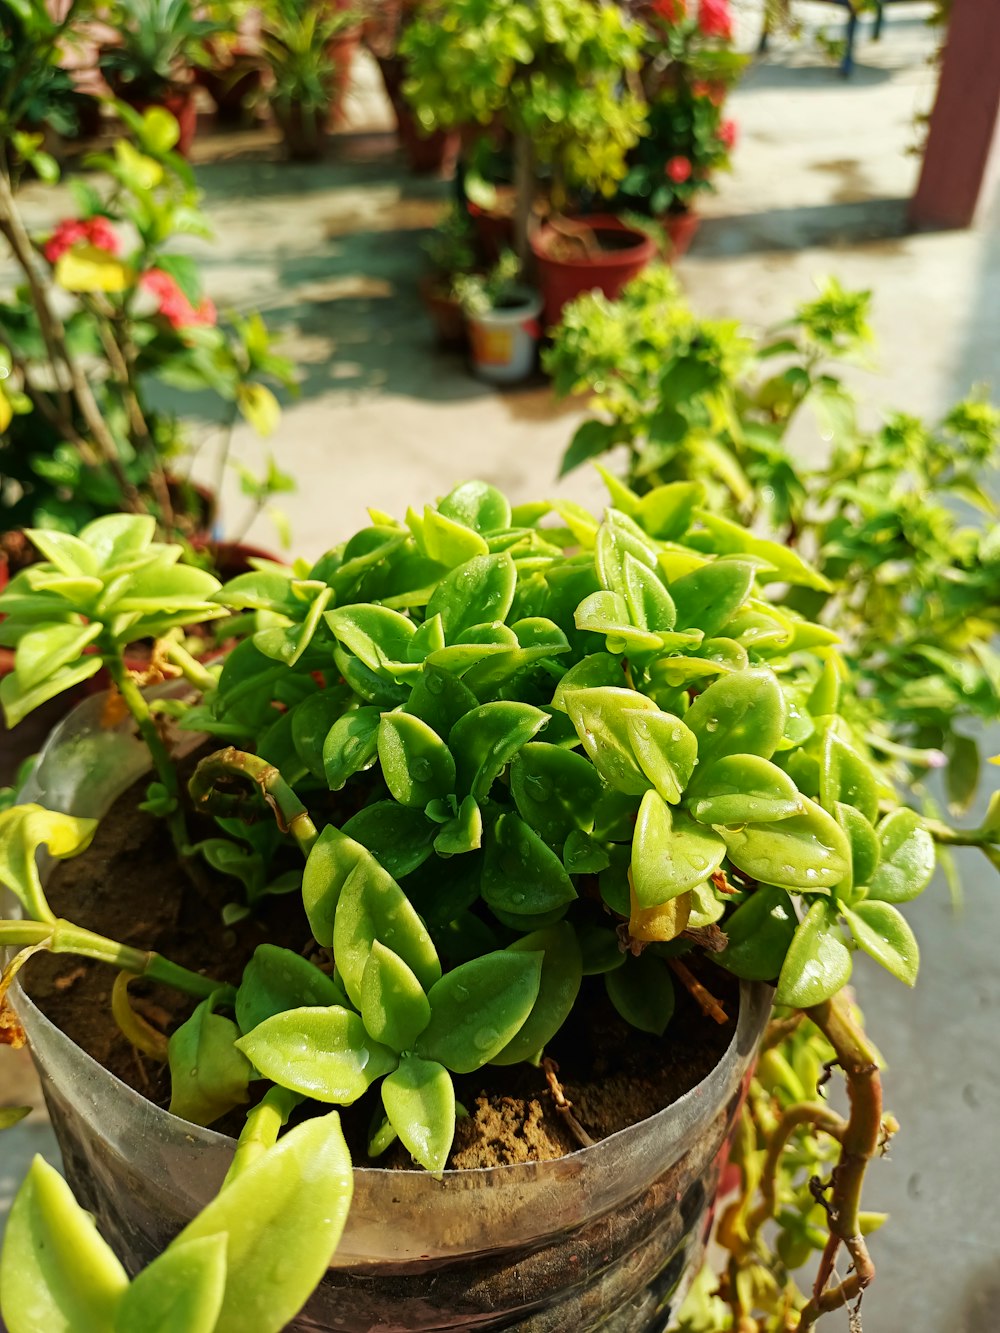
260, 407
87, 268
6, 411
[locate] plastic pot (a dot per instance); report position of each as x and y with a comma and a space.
605, 1237
566, 269
504, 341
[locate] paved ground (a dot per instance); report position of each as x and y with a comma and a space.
819, 185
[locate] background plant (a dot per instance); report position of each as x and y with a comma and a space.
111, 305
159, 42
556, 76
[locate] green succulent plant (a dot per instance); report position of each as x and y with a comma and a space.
512, 748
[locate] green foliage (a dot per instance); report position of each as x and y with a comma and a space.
296, 50
896, 522
478, 293
550, 72
159, 40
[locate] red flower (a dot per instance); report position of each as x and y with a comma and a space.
713, 89
671, 11
728, 133
678, 169
174, 306
715, 19
96, 231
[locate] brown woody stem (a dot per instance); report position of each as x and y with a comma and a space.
859, 1144
291, 814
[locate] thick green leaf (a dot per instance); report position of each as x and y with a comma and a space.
759, 934
670, 852
419, 1099
883, 933
350, 745
70, 555
477, 505
478, 1008
806, 851
818, 962
743, 713
416, 763
56, 1273
208, 1074
399, 838
463, 832
907, 858
180, 1292
439, 699
846, 777
864, 843
24, 829
708, 597
666, 749
484, 742
393, 1004
742, 789
312, 721
593, 670
602, 717
18, 702
477, 592
446, 541
324, 1053
292, 1201
374, 634
562, 974
730, 538
555, 790
643, 993
43, 651
521, 874
371, 906
276, 979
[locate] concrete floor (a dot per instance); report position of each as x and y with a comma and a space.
819, 186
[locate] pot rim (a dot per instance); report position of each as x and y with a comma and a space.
643, 250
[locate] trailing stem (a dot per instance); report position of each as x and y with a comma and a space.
860, 1140
291, 814
135, 702
62, 936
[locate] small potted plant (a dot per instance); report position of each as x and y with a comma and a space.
689, 65
159, 43
306, 81
529, 780
558, 81
502, 314
450, 251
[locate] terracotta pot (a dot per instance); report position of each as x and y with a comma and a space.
342, 50
494, 227
428, 154
181, 105
565, 271
445, 313
681, 229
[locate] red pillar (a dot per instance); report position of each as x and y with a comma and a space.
964, 120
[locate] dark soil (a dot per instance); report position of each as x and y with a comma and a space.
129, 887
590, 244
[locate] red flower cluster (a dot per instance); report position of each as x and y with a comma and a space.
678, 169
96, 231
671, 11
174, 306
728, 133
715, 19
713, 89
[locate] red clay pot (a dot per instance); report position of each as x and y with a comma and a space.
342, 50
494, 227
680, 229
564, 275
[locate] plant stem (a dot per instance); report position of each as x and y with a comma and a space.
135, 702
524, 195
859, 1144
816, 1114
61, 936
261, 1129
291, 814
193, 671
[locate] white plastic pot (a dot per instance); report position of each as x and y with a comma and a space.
504, 341
605, 1237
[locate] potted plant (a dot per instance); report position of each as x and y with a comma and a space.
451, 254
502, 316
689, 66
558, 81
107, 308
159, 43
305, 80
518, 770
